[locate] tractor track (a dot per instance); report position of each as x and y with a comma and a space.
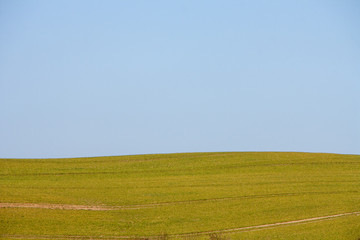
152, 205
120, 172
230, 230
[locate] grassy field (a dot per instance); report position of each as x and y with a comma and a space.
176, 194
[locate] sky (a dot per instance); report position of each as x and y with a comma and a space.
99, 78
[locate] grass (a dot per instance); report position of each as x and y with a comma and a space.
203, 192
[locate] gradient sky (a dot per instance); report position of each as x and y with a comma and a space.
96, 78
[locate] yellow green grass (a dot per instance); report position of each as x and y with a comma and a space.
197, 192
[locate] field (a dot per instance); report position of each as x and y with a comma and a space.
249, 195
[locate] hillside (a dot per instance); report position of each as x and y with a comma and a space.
185, 196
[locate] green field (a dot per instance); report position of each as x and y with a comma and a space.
179, 194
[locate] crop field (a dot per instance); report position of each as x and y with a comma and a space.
235, 195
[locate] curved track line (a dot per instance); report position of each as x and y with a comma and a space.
240, 229
56, 206
119, 172
151, 205
270, 225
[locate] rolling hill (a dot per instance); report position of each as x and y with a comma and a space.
224, 195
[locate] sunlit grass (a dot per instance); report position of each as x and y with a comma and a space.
202, 192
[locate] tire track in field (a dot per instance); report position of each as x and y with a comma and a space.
152, 205
266, 226
120, 172
230, 230
58, 173
56, 206
181, 186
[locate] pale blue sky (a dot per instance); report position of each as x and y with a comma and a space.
94, 78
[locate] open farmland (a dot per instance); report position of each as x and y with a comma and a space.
235, 195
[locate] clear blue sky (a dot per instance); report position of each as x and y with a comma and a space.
95, 78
